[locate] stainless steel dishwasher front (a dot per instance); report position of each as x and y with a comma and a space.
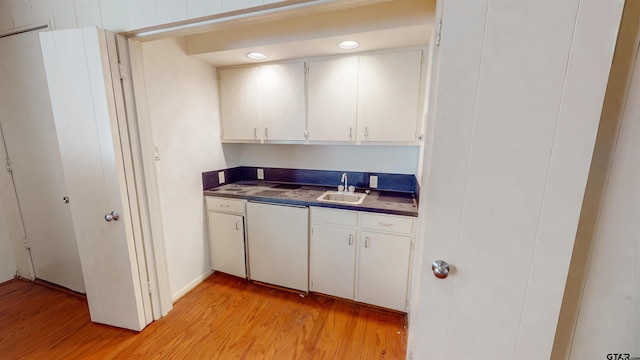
278, 244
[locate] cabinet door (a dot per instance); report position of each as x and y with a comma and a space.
333, 99
282, 96
388, 96
383, 270
240, 103
278, 240
226, 243
333, 260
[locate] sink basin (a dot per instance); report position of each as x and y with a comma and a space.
342, 197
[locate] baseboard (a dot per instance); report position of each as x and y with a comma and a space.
182, 292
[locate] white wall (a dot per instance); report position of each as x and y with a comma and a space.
7, 260
601, 314
182, 103
387, 159
516, 116
113, 15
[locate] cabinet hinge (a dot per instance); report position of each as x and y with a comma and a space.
410, 355
7, 164
149, 287
26, 243
438, 32
123, 71
306, 68
306, 135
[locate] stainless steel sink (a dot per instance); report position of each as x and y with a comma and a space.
342, 197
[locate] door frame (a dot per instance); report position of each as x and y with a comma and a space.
141, 175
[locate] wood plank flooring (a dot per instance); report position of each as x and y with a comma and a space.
223, 318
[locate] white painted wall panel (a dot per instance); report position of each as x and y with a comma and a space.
198, 8
577, 125
87, 13
6, 21
8, 265
186, 129
141, 13
21, 12
41, 11
64, 14
171, 10
114, 15
232, 5
609, 311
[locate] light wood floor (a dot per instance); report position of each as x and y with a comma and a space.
223, 318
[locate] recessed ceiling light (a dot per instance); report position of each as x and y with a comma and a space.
348, 45
256, 56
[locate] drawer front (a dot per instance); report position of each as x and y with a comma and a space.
334, 217
225, 205
395, 224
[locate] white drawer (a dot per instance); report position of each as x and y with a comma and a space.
387, 223
225, 205
334, 217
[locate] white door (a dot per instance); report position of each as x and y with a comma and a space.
226, 243
32, 145
333, 99
77, 65
516, 113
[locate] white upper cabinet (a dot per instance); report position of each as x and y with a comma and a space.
282, 101
333, 99
263, 103
374, 98
240, 103
389, 96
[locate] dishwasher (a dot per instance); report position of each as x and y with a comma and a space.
278, 239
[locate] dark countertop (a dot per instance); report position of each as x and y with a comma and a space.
385, 202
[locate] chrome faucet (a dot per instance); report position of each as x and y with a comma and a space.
344, 180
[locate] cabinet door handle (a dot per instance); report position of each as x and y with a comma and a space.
367, 242
266, 133
350, 132
255, 133
350, 239
238, 225
385, 224
224, 205
366, 132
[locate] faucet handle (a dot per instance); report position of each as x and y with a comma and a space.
352, 188
340, 188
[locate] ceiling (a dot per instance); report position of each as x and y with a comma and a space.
377, 25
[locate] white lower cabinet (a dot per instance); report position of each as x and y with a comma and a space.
333, 260
372, 267
225, 219
383, 270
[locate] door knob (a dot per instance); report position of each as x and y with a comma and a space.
112, 216
440, 269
